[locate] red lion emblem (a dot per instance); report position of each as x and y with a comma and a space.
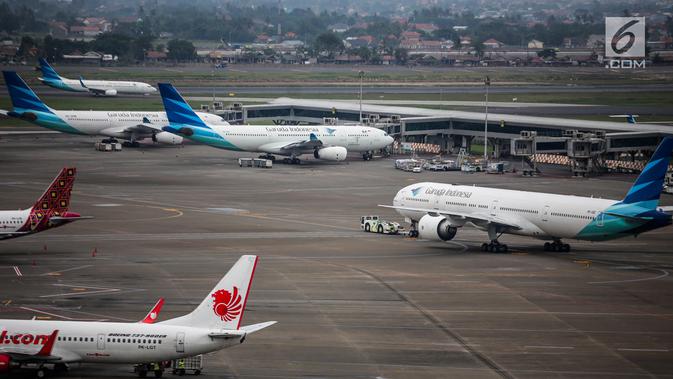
227, 305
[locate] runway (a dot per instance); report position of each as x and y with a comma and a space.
169, 221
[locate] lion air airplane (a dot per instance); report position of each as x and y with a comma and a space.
131, 126
323, 142
97, 87
49, 211
214, 325
437, 210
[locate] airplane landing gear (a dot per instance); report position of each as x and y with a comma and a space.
557, 246
130, 144
368, 156
110, 140
494, 247
268, 156
413, 231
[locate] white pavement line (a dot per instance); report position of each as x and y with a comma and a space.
98, 290
65, 270
17, 271
47, 313
549, 347
665, 274
646, 350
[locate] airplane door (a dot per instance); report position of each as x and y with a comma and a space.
600, 219
101, 342
545, 213
494, 207
180, 342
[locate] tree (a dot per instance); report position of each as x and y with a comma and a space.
478, 47
27, 43
547, 54
181, 50
329, 43
401, 55
111, 43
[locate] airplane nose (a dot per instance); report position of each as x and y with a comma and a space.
389, 140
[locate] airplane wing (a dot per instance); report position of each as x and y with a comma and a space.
97, 91
153, 314
479, 219
297, 147
146, 128
23, 355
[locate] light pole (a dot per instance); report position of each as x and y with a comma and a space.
487, 83
362, 74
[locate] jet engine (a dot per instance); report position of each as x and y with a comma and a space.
5, 361
110, 92
332, 153
167, 138
437, 228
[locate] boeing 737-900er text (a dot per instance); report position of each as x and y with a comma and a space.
213, 325
49, 211
324, 142
437, 210
131, 126
97, 87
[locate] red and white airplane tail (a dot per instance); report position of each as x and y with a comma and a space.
51, 209
223, 308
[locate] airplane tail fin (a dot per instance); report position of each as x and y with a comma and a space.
56, 199
646, 190
23, 98
178, 111
48, 72
224, 306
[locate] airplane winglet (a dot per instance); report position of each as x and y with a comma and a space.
153, 313
48, 346
81, 82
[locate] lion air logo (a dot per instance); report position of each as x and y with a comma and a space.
227, 305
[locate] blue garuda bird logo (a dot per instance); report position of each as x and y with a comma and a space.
415, 191
330, 131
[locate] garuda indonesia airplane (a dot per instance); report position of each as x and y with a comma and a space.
132, 126
437, 210
97, 87
291, 141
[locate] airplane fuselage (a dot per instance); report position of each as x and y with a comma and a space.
540, 215
272, 138
13, 221
110, 342
100, 123
120, 87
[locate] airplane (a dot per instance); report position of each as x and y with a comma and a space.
132, 126
49, 211
214, 325
437, 211
97, 87
323, 142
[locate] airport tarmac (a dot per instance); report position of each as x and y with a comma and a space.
169, 222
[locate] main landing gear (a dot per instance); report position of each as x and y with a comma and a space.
494, 246
268, 156
557, 246
413, 230
131, 144
368, 156
110, 140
